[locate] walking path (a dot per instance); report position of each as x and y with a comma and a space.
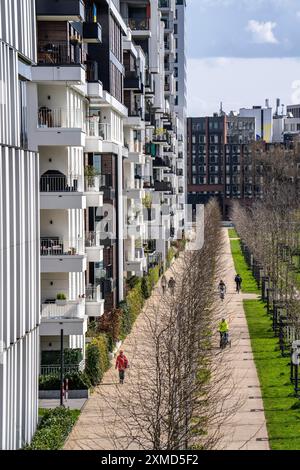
246, 428
102, 427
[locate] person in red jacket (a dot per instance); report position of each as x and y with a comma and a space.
122, 364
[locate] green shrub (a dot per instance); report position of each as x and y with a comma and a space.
145, 288
61, 296
126, 320
97, 358
170, 256
77, 381
54, 428
71, 357
135, 302
132, 282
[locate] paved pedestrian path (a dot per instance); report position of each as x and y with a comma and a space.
103, 423
246, 428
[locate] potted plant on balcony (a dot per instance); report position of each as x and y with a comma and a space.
61, 299
91, 174
72, 251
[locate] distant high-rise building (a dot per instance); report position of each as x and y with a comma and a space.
263, 121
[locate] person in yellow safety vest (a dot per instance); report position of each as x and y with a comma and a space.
224, 329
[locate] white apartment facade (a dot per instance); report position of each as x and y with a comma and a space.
19, 232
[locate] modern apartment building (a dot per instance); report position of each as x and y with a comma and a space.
219, 159
93, 122
19, 232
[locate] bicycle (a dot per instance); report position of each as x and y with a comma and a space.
224, 340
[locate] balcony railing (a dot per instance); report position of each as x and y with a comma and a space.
60, 184
98, 129
60, 53
69, 8
138, 24
60, 118
68, 369
70, 310
92, 239
93, 294
92, 73
163, 186
56, 246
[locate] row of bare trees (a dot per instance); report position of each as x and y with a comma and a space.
177, 392
270, 226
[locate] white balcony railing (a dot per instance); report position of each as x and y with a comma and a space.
93, 294
98, 129
61, 118
71, 310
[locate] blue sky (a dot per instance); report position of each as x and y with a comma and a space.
242, 52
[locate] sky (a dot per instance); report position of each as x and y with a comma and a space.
242, 52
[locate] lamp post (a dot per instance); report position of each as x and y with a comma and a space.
61, 367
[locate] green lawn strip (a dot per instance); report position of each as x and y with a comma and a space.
249, 284
283, 422
232, 233
54, 427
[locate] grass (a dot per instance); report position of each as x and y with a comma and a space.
232, 233
282, 409
249, 284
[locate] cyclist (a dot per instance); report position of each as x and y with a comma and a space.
222, 289
224, 332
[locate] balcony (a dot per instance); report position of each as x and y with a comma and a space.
133, 82
140, 27
161, 138
93, 247
94, 196
161, 163
60, 126
59, 191
60, 10
135, 189
94, 306
69, 317
61, 256
92, 33
163, 186
94, 138
138, 265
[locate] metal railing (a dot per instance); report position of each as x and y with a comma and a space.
68, 369
60, 117
60, 53
59, 184
138, 24
56, 246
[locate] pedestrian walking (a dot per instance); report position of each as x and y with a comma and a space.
238, 282
122, 364
172, 285
164, 284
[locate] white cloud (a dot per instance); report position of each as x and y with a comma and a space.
262, 32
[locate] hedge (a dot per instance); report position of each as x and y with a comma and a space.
77, 381
54, 428
71, 356
97, 358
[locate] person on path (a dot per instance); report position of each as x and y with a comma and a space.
224, 330
238, 282
164, 283
122, 364
172, 285
222, 289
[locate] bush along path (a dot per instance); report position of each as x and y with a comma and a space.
282, 408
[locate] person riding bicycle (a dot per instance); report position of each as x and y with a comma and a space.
222, 289
224, 330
